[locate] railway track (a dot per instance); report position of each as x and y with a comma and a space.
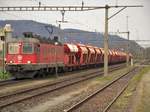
103, 98
12, 81
22, 95
8, 82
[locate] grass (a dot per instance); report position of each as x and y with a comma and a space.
4, 75
125, 100
144, 102
144, 105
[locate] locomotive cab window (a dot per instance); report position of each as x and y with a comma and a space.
13, 48
27, 48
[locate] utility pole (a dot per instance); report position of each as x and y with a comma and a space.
128, 45
106, 47
106, 41
77, 8
128, 42
107, 18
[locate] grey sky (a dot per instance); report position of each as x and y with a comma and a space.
139, 18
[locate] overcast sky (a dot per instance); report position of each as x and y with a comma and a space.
139, 18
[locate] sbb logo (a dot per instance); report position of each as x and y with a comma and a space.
19, 57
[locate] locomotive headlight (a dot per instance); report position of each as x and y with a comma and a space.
28, 62
11, 61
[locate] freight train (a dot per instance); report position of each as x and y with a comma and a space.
30, 57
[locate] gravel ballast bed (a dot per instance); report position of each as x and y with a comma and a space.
75, 93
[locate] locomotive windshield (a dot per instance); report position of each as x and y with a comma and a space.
27, 48
13, 48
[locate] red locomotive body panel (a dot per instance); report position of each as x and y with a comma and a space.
33, 57
16, 55
41, 53
51, 54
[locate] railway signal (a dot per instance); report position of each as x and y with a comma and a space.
77, 8
56, 66
5, 35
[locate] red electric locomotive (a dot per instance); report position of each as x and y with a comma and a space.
28, 56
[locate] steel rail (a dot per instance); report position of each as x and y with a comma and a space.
80, 79
53, 83
115, 98
96, 92
6, 82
